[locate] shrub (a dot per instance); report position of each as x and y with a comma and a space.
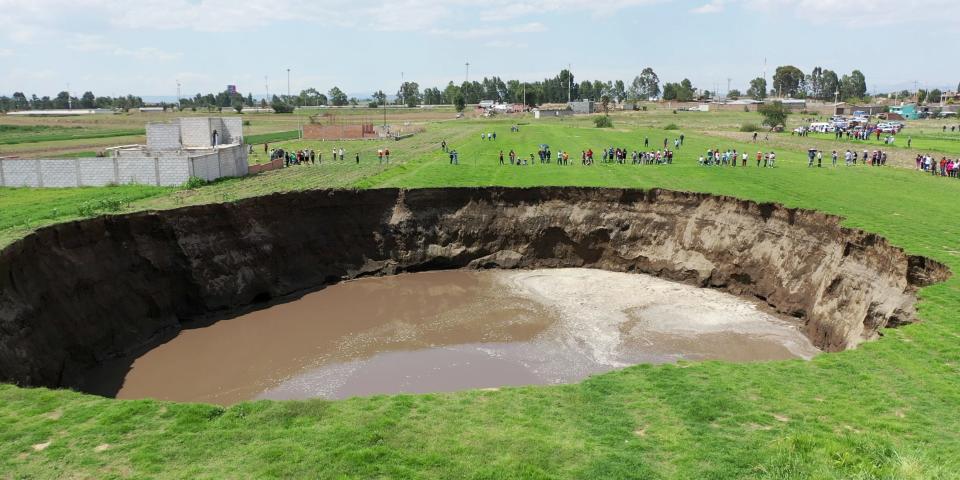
194, 182
603, 121
749, 127
644, 108
746, 108
281, 107
89, 209
672, 126
373, 105
246, 123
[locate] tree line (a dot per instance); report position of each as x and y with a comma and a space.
787, 81
63, 101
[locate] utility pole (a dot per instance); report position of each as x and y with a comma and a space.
524, 95
728, 88
266, 86
288, 84
764, 75
467, 78
69, 98
569, 84
402, 93
178, 95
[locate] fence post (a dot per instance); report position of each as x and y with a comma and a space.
39, 173
76, 164
116, 170
156, 168
3, 181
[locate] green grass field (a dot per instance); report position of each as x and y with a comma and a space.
887, 410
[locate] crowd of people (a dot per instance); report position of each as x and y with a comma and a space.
610, 155
945, 167
716, 158
298, 157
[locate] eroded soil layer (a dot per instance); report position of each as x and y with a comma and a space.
452, 330
75, 294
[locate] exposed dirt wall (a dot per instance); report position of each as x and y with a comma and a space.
74, 294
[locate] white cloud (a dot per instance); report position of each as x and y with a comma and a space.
6, 52
505, 44
87, 43
715, 6
492, 30
229, 15
861, 14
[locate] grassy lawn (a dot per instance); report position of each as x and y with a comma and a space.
885, 410
14, 134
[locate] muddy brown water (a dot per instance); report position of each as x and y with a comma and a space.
454, 330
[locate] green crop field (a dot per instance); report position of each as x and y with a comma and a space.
886, 410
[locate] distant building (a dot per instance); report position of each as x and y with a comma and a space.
581, 106
844, 108
907, 110
792, 103
231, 89
63, 113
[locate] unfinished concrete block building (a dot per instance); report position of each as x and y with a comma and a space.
207, 148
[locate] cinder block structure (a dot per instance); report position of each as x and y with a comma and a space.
208, 148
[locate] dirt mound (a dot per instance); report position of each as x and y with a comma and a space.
74, 294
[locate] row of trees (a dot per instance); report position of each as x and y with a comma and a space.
788, 81
820, 84
63, 100
557, 89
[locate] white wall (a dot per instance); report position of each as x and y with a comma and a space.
160, 169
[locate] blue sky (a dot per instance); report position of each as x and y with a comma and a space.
115, 47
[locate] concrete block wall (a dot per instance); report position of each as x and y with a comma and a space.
173, 171
96, 172
195, 132
142, 170
206, 167
234, 129
59, 173
20, 173
163, 136
147, 168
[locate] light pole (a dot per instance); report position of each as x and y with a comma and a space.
288, 84
69, 99
467, 77
178, 95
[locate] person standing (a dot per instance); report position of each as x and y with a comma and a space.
358, 157
501, 157
834, 158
